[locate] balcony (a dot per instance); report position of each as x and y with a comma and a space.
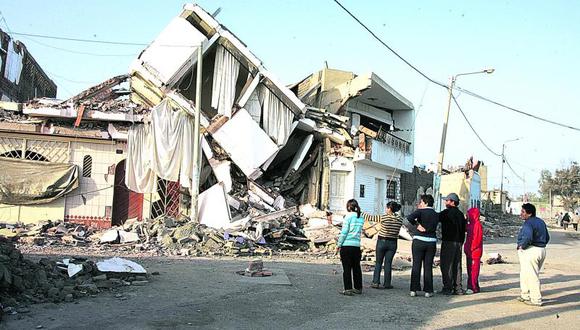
387, 149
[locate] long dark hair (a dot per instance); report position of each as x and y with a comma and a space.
394, 206
352, 206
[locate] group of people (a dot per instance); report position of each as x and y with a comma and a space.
460, 235
565, 219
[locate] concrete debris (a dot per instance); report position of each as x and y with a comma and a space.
496, 225
255, 269
24, 282
494, 258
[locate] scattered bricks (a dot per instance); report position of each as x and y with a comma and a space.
90, 288
104, 284
102, 277
139, 283
140, 278
255, 266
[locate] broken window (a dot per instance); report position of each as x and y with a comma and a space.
361, 191
87, 166
391, 189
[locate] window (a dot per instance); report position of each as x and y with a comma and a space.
87, 166
361, 191
391, 189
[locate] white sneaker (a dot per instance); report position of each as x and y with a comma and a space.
469, 291
413, 293
428, 295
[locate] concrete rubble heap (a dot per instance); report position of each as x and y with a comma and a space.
23, 281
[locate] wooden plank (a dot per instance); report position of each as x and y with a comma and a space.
276, 215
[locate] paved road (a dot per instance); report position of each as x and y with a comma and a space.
198, 293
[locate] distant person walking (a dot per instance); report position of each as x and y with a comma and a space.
390, 224
532, 240
349, 249
453, 225
424, 245
566, 220
473, 250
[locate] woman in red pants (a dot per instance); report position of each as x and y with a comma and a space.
473, 248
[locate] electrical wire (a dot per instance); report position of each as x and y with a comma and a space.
106, 42
78, 52
387, 46
470, 93
472, 128
512, 169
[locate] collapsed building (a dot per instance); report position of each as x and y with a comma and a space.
124, 148
21, 77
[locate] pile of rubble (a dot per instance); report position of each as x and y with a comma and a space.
496, 225
23, 281
276, 233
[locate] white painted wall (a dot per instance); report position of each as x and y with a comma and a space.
98, 189
365, 174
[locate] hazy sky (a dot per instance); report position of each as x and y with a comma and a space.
533, 45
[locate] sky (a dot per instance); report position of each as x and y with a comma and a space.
532, 45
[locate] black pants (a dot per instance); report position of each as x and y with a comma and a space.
451, 265
350, 257
386, 249
423, 254
575, 225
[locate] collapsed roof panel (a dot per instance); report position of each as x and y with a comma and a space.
169, 53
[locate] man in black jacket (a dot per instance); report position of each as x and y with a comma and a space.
453, 226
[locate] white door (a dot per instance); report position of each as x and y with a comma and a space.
379, 196
337, 190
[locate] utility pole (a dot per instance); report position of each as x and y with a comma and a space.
501, 199
501, 185
437, 177
196, 139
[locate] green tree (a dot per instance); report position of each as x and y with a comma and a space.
564, 182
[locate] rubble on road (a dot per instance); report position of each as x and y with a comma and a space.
24, 282
266, 234
494, 258
255, 269
496, 225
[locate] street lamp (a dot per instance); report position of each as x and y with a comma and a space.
503, 162
444, 134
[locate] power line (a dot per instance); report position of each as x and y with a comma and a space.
388, 47
78, 52
107, 42
513, 171
472, 128
470, 93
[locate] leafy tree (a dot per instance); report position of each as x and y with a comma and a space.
564, 182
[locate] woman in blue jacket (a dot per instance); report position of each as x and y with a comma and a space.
349, 249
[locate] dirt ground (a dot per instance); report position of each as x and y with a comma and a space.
202, 293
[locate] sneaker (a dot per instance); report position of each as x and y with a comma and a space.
458, 292
429, 294
469, 291
388, 287
346, 292
521, 299
413, 293
355, 291
445, 292
532, 303
375, 286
